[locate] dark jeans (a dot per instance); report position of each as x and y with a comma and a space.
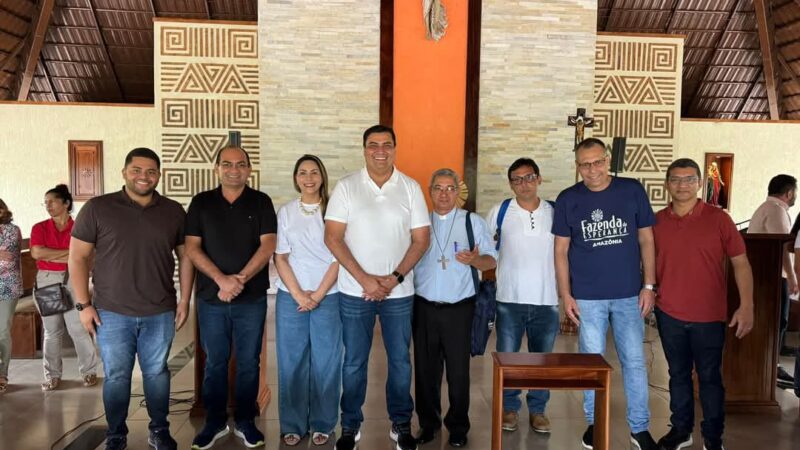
224, 327
442, 335
358, 324
120, 339
784, 318
698, 345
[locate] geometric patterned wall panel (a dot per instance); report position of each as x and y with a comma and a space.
207, 84
637, 84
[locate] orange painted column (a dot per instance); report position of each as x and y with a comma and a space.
429, 91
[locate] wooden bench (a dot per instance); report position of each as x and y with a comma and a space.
555, 371
26, 328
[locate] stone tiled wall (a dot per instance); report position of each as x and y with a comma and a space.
537, 67
319, 85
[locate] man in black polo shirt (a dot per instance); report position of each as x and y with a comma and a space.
230, 237
134, 233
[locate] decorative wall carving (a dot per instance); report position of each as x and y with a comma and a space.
207, 85
636, 87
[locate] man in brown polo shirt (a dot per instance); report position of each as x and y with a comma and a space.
133, 309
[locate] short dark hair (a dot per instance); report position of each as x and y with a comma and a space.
523, 162
781, 184
684, 163
379, 129
6, 216
142, 152
219, 154
589, 143
61, 192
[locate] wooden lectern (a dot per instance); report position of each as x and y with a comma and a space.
749, 365
264, 392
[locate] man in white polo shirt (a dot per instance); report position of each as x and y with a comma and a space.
377, 226
527, 300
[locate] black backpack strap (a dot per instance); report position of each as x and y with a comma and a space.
471, 242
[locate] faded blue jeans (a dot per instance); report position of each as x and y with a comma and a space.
540, 323
627, 325
309, 350
120, 339
358, 324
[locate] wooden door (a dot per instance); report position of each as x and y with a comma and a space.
85, 169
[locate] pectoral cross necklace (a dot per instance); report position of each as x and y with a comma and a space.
443, 260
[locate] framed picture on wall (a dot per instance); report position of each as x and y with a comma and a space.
718, 179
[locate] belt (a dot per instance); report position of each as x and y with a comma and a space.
445, 304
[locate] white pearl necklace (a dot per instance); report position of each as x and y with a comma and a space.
306, 211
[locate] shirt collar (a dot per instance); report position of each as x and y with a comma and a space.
696, 211
153, 202
778, 202
392, 179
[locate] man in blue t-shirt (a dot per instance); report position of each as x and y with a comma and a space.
603, 230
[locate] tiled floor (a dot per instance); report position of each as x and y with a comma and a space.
31, 419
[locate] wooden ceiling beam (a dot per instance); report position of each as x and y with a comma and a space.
12, 56
13, 14
39, 30
788, 69
694, 101
610, 11
766, 37
153, 8
49, 80
749, 94
104, 51
671, 20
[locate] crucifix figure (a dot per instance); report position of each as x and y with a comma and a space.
580, 121
444, 262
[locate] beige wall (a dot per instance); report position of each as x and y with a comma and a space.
35, 156
319, 85
537, 67
761, 151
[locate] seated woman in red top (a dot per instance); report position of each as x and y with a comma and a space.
50, 248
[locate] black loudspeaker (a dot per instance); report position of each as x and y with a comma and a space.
618, 155
235, 138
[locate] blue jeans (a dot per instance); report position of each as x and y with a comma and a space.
540, 323
690, 345
628, 327
358, 324
120, 338
309, 348
224, 327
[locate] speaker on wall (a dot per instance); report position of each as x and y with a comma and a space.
618, 154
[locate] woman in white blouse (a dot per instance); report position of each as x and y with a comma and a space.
308, 326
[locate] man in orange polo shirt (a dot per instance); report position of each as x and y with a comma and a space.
691, 307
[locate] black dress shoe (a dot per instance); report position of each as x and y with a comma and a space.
783, 375
426, 435
457, 440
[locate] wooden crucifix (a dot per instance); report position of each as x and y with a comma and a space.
580, 122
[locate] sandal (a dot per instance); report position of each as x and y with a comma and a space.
291, 439
89, 380
3, 385
319, 438
51, 384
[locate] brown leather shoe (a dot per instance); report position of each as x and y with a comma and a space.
89, 380
510, 419
540, 423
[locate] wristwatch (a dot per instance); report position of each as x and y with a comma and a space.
81, 306
651, 287
399, 276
